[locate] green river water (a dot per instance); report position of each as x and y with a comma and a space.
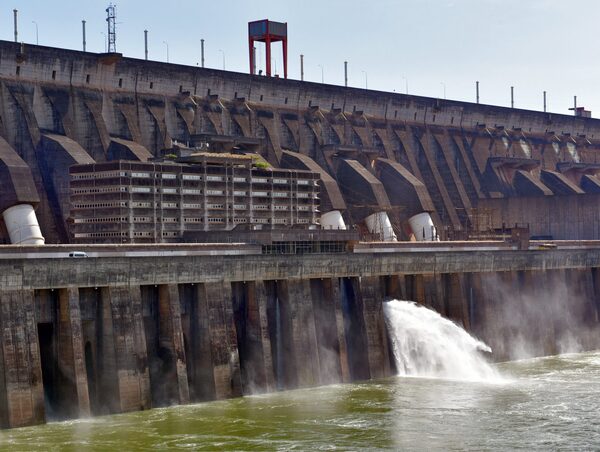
544, 404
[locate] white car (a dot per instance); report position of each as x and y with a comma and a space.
78, 254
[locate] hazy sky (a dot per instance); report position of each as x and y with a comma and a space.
535, 45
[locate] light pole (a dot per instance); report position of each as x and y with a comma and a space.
366, 80
322, 74
405, 83
202, 52
37, 41
167, 45
223, 54
444, 85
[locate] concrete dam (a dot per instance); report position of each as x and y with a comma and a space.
472, 167
134, 326
120, 331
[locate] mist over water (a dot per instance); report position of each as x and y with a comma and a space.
425, 344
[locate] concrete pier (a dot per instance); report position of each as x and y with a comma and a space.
116, 333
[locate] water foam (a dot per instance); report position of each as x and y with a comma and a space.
425, 344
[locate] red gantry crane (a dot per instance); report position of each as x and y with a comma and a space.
267, 31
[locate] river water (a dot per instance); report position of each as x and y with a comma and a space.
537, 404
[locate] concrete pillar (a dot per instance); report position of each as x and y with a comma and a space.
22, 394
596, 281
328, 331
71, 358
108, 382
371, 297
476, 303
434, 295
395, 287
223, 341
253, 341
171, 336
201, 375
257, 299
489, 292
295, 294
332, 291
130, 348
417, 284
456, 298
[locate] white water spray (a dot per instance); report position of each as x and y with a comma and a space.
425, 344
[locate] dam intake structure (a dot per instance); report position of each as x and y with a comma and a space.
156, 162
389, 165
136, 327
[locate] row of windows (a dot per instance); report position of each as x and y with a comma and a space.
195, 177
93, 190
184, 176
100, 234
98, 175
174, 205
101, 220
99, 205
189, 191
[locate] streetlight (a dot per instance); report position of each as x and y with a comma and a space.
105, 44
366, 81
167, 44
37, 41
405, 83
444, 85
223, 54
322, 73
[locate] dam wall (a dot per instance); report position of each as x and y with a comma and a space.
62, 107
132, 328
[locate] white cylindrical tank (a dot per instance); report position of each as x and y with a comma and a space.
379, 223
332, 220
423, 228
22, 225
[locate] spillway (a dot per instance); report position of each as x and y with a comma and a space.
425, 344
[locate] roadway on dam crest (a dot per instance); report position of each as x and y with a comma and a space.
186, 264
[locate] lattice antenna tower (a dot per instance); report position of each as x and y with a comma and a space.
111, 20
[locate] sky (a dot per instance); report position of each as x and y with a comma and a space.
431, 47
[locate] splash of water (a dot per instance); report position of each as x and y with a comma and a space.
425, 344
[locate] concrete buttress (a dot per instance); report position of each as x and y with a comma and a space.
223, 342
171, 337
296, 294
71, 358
372, 310
130, 347
23, 391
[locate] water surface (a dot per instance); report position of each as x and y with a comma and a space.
547, 403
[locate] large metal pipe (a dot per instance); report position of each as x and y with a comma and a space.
422, 227
22, 225
477, 91
202, 52
332, 220
302, 67
379, 223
